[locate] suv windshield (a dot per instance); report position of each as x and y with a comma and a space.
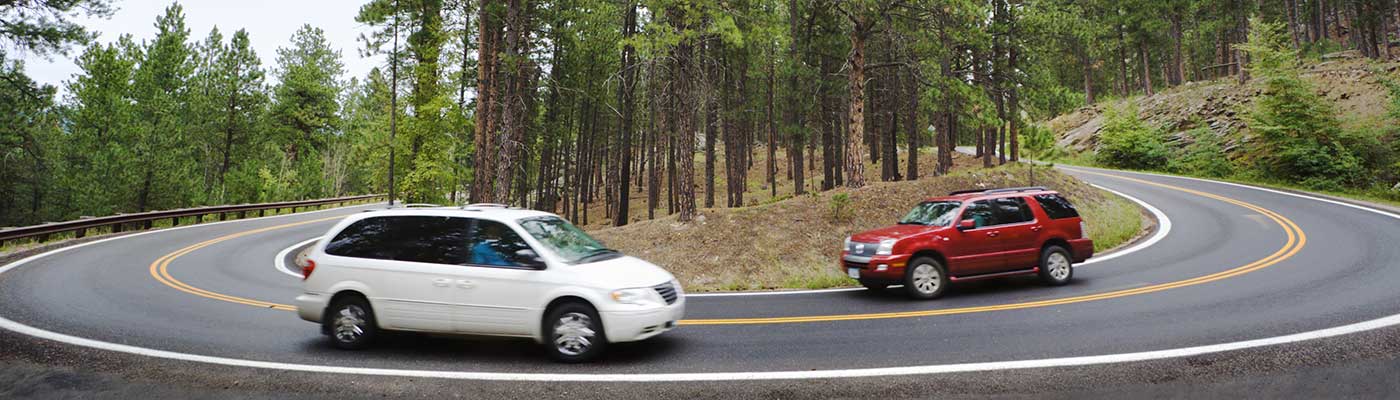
932, 213
567, 240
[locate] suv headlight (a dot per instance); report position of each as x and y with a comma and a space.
847, 244
638, 296
886, 247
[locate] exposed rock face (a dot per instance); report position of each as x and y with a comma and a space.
1351, 82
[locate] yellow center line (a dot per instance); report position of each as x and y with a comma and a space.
1296, 240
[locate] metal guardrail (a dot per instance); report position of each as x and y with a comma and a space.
138, 221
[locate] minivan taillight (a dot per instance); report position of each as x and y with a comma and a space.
307, 269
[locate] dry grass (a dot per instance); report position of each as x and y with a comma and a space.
794, 243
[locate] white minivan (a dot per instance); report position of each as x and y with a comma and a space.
482, 270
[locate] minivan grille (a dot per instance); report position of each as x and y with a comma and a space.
667, 291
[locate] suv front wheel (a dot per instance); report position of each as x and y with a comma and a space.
925, 278
1056, 269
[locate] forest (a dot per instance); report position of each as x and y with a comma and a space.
572, 105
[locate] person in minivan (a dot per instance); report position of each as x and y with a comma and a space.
484, 252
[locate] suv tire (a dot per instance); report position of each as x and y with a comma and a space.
1056, 266
925, 278
350, 323
573, 333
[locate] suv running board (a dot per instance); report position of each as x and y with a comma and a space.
1032, 270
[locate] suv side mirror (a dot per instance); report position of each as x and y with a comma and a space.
528, 258
966, 224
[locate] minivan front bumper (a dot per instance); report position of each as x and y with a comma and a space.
631, 326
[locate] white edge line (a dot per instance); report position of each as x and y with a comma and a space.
281, 261
1164, 226
1363, 326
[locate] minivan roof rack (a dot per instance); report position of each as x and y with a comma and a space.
1001, 190
485, 205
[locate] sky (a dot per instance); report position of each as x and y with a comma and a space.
269, 24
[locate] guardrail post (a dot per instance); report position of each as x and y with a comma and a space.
117, 228
174, 221
147, 224
78, 234
260, 212
221, 216
43, 238
243, 214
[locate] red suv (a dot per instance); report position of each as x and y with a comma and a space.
970, 235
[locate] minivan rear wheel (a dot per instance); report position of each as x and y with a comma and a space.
574, 333
925, 278
351, 323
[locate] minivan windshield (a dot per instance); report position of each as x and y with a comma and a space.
567, 240
932, 213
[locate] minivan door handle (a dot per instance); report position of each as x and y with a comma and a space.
442, 282
465, 284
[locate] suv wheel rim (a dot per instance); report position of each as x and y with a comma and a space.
573, 334
1059, 266
350, 324
926, 278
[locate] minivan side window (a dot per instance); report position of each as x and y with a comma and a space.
495, 244
428, 239
1056, 207
1012, 210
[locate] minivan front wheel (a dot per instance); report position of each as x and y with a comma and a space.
351, 323
574, 333
925, 278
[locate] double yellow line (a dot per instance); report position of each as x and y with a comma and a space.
160, 269
1296, 240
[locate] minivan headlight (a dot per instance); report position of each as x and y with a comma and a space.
638, 296
886, 247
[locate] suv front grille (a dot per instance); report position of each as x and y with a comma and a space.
667, 291
862, 249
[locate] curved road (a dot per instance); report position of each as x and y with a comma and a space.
1239, 264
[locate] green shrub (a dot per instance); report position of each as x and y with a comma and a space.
1203, 157
1298, 136
1128, 142
841, 207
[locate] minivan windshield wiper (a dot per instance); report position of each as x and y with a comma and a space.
599, 255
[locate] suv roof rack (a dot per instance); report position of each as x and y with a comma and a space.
1001, 190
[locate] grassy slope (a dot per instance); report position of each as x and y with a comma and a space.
794, 243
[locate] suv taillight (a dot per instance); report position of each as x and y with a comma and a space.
1083, 230
307, 269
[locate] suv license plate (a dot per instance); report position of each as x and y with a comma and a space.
853, 272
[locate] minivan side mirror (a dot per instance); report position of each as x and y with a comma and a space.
528, 258
966, 224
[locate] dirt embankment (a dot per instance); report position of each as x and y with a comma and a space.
1353, 84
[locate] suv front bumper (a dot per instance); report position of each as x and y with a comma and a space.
888, 268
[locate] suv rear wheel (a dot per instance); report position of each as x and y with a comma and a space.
1056, 269
351, 324
874, 285
574, 333
925, 278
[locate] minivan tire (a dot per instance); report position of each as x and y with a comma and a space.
925, 278
573, 333
1056, 266
350, 323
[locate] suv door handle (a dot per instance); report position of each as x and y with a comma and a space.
993, 233
1036, 228
465, 284
442, 282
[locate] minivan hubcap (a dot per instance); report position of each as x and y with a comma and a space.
573, 333
1059, 266
350, 324
926, 278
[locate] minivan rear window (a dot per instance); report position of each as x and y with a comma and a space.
1056, 207
429, 239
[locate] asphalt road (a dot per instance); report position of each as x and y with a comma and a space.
1239, 264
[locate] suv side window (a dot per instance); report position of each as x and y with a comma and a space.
1056, 207
428, 239
1012, 210
980, 212
495, 244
